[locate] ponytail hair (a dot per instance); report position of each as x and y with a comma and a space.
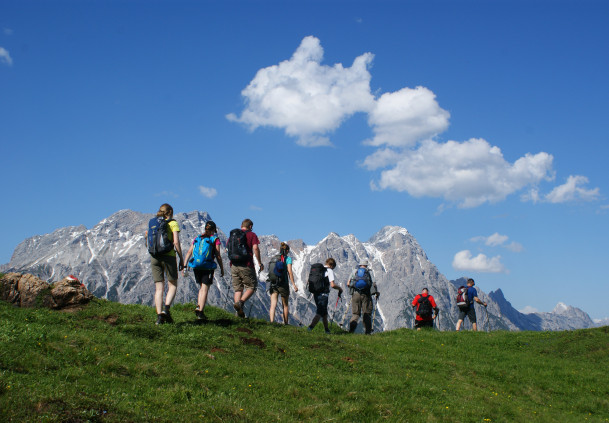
284, 249
165, 211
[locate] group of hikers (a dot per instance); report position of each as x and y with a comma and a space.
203, 257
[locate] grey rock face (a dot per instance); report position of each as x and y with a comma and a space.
112, 261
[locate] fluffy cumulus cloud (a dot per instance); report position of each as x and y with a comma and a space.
465, 261
498, 240
468, 173
207, 192
305, 98
402, 118
572, 190
5, 57
310, 100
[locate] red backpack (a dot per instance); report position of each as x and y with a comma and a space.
462, 300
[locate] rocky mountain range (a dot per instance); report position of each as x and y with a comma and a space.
112, 261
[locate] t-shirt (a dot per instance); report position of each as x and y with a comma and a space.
251, 240
471, 293
329, 274
173, 227
415, 302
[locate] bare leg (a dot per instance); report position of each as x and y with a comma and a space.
286, 310
158, 296
171, 292
203, 296
274, 296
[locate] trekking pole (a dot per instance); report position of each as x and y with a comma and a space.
487, 327
342, 323
438, 320
376, 303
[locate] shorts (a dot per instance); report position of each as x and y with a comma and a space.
470, 312
164, 264
203, 276
283, 290
361, 303
423, 324
321, 303
243, 278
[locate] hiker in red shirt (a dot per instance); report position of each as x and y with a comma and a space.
425, 308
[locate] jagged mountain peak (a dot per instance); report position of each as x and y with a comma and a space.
112, 260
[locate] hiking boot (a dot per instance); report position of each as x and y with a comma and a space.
159, 319
327, 331
166, 315
239, 309
200, 316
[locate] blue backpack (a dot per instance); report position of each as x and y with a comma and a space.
157, 238
363, 281
203, 253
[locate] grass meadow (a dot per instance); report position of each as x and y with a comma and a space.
108, 362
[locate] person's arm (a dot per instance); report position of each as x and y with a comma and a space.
219, 258
188, 254
435, 307
479, 301
176, 244
256, 251
292, 277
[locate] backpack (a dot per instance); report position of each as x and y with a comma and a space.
363, 281
203, 253
157, 240
424, 309
278, 270
462, 300
318, 282
237, 246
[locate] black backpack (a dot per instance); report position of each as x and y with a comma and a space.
237, 246
424, 309
318, 282
278, 270
157, 239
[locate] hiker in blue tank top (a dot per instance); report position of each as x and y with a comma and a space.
470, 312
281, 287
362, 288
204, 273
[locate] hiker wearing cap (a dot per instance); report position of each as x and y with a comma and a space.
470, 311
362, 288
163, 243
242, 247
426, 309
202, 257
280, 275
321, 296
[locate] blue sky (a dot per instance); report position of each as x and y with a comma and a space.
480, 126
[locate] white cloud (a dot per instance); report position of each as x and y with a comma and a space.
469, 173
464, 260
305, 98
255, 208
5, 57
529, 310
207, 192
498, 240
7, 31
404, 117
310, 100
572, 190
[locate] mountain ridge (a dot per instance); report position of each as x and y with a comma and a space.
112, 261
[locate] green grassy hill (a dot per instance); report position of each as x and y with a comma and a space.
108, 362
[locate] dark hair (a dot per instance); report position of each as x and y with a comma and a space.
165, 211
471, 280
331, 262
211, 225
284, 249
247, 223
